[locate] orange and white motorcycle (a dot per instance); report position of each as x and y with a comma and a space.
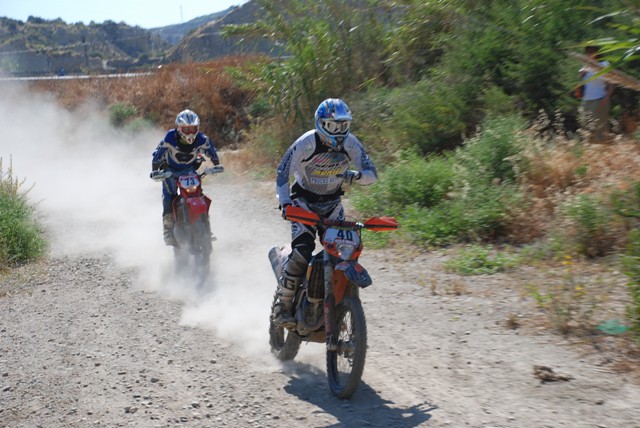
327, 304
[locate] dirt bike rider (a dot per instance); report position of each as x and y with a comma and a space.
319, 161
181, 149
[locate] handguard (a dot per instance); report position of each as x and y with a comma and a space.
355, 273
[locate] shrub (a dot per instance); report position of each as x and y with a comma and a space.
478, 260
439, 225
429, 115
447, 198
591, 226
20, 237
631, 263
493, 153
412, 180
120, 113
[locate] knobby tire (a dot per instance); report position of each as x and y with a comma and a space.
346, 364
284, 343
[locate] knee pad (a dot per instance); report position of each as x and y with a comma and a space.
304, 245
295, 265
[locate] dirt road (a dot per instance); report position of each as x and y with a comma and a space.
106, 336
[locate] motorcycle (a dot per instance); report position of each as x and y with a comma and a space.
327, 305
191, 227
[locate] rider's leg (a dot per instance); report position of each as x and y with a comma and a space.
208, 225
168, 221
293, 272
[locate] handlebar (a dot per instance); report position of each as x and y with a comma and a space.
159, 175
375, 224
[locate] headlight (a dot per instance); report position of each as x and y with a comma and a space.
345, 251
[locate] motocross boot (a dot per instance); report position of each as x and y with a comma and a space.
167, 224
208, 224
283, 308
293, 274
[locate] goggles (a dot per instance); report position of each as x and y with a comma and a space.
336, 127
189, 129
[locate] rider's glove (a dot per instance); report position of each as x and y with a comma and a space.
350, 175
283, 208
159, 175
214, 169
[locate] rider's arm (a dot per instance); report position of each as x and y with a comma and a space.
158, 159
210, 151
361, 161
283, 176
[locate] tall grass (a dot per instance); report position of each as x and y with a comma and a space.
21, 239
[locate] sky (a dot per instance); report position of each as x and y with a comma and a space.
143, 13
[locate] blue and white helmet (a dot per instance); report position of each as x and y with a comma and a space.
188, 125
333, 121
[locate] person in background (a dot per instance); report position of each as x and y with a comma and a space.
182, 148
596, 97
319, 162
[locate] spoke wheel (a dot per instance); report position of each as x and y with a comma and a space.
202, 251
346, 363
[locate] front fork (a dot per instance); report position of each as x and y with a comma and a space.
330, 328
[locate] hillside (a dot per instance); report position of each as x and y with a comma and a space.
172, 34
40, 47
207, 42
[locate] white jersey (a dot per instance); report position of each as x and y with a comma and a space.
315, 167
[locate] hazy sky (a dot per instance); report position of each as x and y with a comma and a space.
145, 13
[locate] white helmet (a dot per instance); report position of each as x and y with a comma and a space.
188, 125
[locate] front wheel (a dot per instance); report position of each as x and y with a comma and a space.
201, 242
346, 363
284, 343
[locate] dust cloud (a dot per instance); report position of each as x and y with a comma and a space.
89, 181
91, 185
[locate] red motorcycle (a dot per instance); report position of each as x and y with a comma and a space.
192, 229
327, 304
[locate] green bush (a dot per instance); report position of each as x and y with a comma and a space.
592, 226
627, 203
412, 180
492, 154
631, 264
120, 113
429, 115
487, 209
20, 237
464, 197
440, 225
479, 260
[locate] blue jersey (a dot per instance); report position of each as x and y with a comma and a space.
173, 153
